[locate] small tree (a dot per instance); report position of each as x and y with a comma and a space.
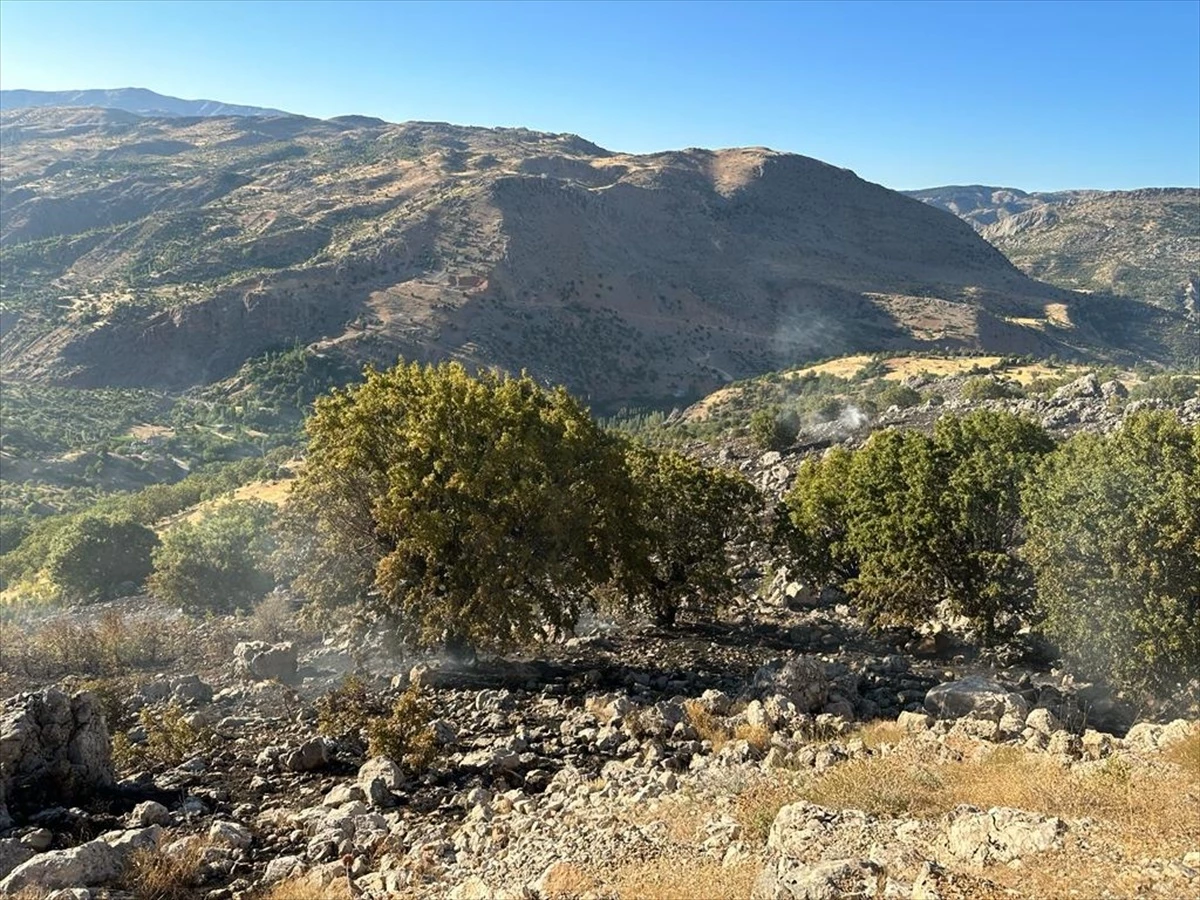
910, 521
773, 428
899, 395
220, 563
1114, 541
470, 510
688, 515
93, 558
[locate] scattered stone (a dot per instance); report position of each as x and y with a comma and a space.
974, 696
1001, 835
149, 812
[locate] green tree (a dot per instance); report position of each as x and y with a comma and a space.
910, 521
900, 395
93, 557
470, 510
987, 387
688, 517
1114, 541
220, 563
773, 428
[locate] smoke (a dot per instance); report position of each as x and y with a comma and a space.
852, 418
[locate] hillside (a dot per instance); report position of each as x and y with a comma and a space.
1143, 244
165, 252
134, 100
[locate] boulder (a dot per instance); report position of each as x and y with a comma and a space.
974, 696
800, 680
231, 834
260, 661
93, 863
149, 813
1001, 835
53, 747
839, 879
312, 754
282, 867
12, 854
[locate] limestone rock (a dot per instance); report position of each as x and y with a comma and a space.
1001, 835
93, 863
800, 680
974, 696
53, 746
12, 854
840, 879
149, 812
260, 661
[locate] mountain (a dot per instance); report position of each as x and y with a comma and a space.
165, 252
135, 100
1145, 243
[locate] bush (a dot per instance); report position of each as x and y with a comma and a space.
405, 735
774, 429
218, 564
899, 395
910, 521
688, 515
95, 558
472, 511
345, 712
1114, 541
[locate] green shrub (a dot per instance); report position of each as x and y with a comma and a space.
345, 712
1114, 541
773, 428
688, 515
469, 510
900, 395
405, 735
218, 564
94, 558
910, 521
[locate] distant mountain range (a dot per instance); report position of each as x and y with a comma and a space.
134, 100
1143, 244
166, 252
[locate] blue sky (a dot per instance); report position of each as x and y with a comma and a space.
1039, 96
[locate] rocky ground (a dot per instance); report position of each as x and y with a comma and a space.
783, 752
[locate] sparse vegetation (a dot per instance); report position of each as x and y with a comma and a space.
404, 735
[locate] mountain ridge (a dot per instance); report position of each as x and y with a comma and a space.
168, 251
140, 101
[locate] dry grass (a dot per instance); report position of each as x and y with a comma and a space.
158, 875
1137, 810
713, 729
680, 878
1185, 753
566, 881
307, 887
882, 731
756, 807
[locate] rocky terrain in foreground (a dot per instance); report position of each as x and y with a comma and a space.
725, 760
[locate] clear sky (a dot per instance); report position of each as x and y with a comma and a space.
1039, 95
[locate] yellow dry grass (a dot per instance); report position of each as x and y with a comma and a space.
307, 887
1137, 810
566, 881
154, 874
680, 878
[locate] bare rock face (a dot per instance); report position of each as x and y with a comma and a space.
260, 661
52, 746
93, 863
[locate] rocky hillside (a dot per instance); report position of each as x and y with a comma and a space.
134, 100
165, 252
1143, 244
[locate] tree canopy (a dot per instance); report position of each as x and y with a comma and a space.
1114, 542
470, 509
93, 557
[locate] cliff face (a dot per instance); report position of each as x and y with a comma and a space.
165, 252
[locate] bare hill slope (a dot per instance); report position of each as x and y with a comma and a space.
166, 251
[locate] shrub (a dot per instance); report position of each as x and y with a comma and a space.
345, 712
170, 738
900, 395
688, 515
405, 735
773, 428
218, 564
95, 558
910, 521
1114, 541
